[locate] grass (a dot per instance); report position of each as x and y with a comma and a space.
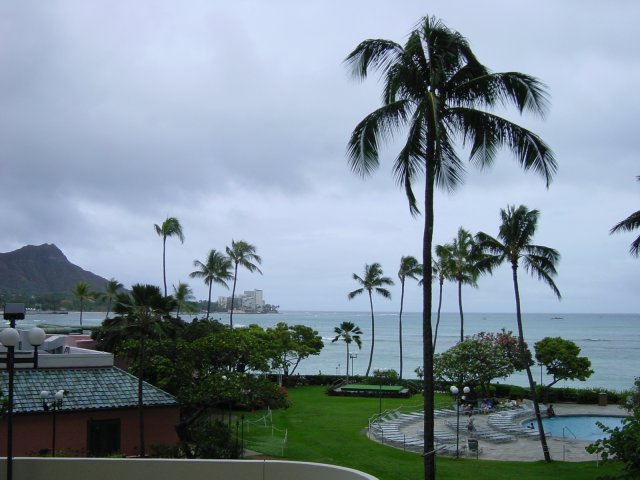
331, 430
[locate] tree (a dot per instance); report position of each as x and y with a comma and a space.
170, 228
409, 268
184, 298
110, 293
242, 254
464, 257
82, 292
348, 332
215, 269
293, 343
435, 86
562, 360
621, 444
629, 224
514, 246
475, 361
441, 271
372, 281
140, 314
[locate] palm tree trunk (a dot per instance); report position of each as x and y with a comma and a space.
348, 363
233, 294
373, 335
209, 301
140, 398
429, 460
400, 325
523, 355
81, 307
435, 336
108, 308
461, 313
164, 264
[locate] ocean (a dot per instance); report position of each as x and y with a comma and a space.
610, 341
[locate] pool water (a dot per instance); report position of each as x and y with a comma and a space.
582, 427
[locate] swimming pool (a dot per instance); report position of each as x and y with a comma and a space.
582, 427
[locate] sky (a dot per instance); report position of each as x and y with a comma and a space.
234, 117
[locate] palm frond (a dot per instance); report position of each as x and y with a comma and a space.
486, 132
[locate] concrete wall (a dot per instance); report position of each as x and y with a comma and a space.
165, 469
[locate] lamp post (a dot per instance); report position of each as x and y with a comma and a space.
54, 404
10, 338
455, 391
352, 356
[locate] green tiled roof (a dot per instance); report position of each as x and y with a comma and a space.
86, 389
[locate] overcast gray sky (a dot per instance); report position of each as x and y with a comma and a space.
234, 118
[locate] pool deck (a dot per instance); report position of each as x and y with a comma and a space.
529, 449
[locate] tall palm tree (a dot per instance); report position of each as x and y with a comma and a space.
464, 266
441, 271
110, 293
409, 268
214, 270
183, 295
513, 246
170, 228
82, 292
140, 313
629, 224
436, 88
372, 281
348, 332
242, 254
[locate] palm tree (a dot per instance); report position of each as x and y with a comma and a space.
512, 246
435, 86
140, 313
184, 298
629, 224
243, 254
348, 332
372, 280
110, 293
464, 266
441, 271
214, 270
409, 268
82, 292
170, 228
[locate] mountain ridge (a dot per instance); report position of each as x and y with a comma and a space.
42, 269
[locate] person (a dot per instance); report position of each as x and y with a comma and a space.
470, 426
467, 409
531, 426
550, 412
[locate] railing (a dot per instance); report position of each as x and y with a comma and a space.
568, 430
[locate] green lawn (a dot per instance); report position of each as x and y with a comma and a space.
330, 430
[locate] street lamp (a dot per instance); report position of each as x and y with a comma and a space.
352, 356
54, 404
454, 391
10, 338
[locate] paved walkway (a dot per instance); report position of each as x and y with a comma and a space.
523, 449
